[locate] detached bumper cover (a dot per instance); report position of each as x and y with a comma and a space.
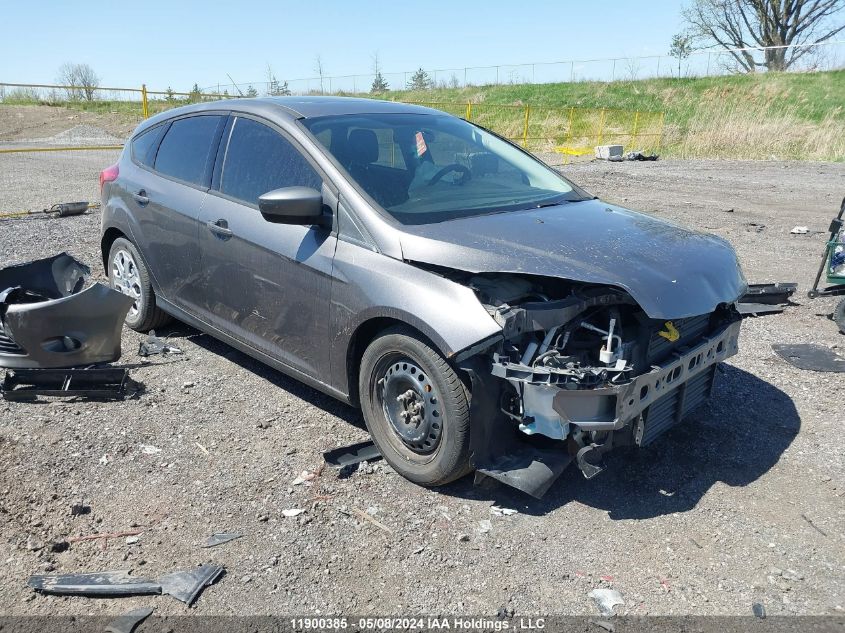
47, 319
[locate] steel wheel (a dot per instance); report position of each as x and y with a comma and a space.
410, 402
126, 279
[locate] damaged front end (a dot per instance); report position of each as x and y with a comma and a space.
581, 369
49, 319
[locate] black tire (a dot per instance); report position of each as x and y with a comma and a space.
144, 315
445, 403
839, 315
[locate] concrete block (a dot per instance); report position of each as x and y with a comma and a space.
606, 152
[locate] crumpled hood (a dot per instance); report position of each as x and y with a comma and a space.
671, 272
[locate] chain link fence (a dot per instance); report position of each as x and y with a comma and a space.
700, 63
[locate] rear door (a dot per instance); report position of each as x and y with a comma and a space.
267, 284
167, 200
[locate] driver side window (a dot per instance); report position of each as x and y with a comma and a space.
259, 159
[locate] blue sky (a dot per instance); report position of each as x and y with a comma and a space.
178, 43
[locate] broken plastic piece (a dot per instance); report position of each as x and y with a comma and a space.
182, 585
810, 356
758, 309
128, 622
606, 599
352, 455
218, 538
97, 383
776, 293
531, 470
155, 345
187, 585
100, 584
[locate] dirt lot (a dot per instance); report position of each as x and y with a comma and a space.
742, 504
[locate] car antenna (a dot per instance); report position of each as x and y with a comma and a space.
234, 85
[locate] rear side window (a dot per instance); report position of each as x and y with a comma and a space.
143, 146
259, 160
183, 153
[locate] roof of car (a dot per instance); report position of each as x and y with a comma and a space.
309, 107
295, 107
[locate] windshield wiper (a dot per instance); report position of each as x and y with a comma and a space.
551, 203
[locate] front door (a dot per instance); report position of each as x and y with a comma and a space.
267, 285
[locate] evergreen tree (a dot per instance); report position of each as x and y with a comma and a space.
420, 80
379, 84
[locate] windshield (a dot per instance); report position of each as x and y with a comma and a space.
425, 168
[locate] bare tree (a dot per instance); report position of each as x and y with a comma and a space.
379, 83
80, 79
765, 23
318, 68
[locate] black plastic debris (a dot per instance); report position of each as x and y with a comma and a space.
771, 294
758, 309
98, 584
638, 155
810, 357
103, 383
529, 469
185, 586
129, 621
219, 538
153, 345
762, 299
352, 455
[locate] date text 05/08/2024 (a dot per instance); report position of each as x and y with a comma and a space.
417, 623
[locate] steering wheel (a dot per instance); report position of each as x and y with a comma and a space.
467, 174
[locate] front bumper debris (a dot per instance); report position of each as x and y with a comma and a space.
49, 320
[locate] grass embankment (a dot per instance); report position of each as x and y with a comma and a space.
757, 116
765, 115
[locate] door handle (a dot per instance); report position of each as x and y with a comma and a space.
141, 198
219, 227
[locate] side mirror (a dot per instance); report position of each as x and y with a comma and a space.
292, 205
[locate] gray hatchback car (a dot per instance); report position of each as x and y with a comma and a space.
484, 312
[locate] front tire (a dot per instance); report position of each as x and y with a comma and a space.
129, 275
416, 408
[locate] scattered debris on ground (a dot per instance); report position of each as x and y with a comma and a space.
153, 345
129, 621
606, 599
219, 538
352, 455
185, 586
810, 357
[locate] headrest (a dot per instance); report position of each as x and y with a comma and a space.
363, 146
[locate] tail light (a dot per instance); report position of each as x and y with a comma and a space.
109, 174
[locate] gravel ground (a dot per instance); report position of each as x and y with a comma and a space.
742, 504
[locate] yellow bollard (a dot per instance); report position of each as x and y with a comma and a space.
145, 109
525, 127
601, 127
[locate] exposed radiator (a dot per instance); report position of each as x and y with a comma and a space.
690, 329
670, 409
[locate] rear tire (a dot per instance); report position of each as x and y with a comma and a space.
129, 275
403, 378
